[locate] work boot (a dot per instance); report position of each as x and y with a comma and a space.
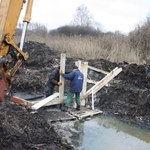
78, 107
65, 108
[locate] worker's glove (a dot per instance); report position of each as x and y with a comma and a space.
60, 72
59, 83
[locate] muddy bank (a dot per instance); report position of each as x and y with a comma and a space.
126, 97
20, 129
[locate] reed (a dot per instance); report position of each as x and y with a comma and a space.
113, 48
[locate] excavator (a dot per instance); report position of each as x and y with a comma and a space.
11, 55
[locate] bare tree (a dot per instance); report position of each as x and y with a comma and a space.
139, 40
82, 17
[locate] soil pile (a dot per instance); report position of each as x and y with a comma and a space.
21, 130
33, 74
127, 96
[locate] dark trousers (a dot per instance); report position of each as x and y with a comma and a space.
49, 91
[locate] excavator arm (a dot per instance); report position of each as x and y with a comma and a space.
11, 56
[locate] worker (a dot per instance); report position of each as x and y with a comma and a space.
76, 83
53, 81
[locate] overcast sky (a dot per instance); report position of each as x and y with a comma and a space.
120, 15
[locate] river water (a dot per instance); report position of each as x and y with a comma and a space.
108, 133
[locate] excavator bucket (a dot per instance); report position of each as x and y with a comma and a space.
3, 89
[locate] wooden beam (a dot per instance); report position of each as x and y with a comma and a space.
109, 78
105, 80
44, 101
62, 80
18, 100
84, 71
98, 70
84, 112
21, 101
56, 101
91, 81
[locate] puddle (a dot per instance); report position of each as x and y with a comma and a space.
107, 133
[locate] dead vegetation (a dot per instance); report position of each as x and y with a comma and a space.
80, 42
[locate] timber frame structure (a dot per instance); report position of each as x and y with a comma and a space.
59, 98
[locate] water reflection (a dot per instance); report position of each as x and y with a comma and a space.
107, 133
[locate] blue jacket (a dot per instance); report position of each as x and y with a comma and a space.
76, 79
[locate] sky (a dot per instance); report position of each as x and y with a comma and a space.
113, 15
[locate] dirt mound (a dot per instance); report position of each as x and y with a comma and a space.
19, 129
33, 74
127, 96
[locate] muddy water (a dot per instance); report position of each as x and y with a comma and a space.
108, 133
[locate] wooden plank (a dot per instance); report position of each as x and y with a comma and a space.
84, 112
44, 101
91, 81
98, 70
18, 100
62, 80
109, 78
105, 80
91, 114
98, 83
21, 101
56, 101
94, 82
84, 71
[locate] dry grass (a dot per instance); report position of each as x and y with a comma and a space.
115, 49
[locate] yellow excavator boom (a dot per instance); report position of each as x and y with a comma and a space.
11, 56
9, 14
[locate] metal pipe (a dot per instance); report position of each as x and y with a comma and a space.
23, 35
26, 20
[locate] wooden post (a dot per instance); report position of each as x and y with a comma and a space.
62, 68
83, 67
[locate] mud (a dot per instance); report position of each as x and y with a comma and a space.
21, 130
127, 97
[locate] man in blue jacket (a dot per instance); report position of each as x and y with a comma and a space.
76, 83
